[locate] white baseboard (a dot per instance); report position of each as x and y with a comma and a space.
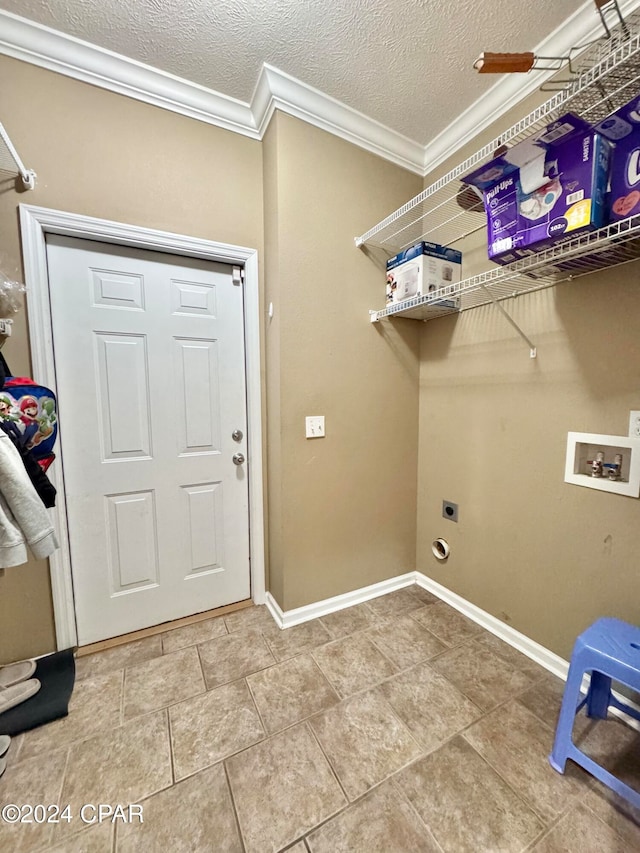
541, 655
288, 618
536, 652
274, 609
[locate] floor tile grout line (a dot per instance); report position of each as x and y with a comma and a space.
422, 751
196, 643
16, 759
304, 648
589, 782
400, 668
371, 616
143, 800
307, 718
172, 759
89, 657
396, 666
376, 684
521, 796
147, 713
351, 803
429, 750
441, 606
110, 653
334, 772
547, 830
122, 689
335, 689
255, 705
406, 799
47, 749
402, 723
513, 695
202, 673
334, 686
107, 729
63, 779
227, 755
233, 801
599, 818
235, 677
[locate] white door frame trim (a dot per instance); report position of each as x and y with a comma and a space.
35, 223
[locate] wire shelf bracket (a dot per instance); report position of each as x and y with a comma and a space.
10, 161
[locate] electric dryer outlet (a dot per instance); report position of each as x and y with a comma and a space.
450, 510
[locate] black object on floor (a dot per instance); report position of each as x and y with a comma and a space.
56, 674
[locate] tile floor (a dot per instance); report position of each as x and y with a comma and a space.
395, 725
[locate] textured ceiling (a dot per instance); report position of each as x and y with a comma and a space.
405, 63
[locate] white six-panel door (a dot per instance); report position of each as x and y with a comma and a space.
149, 354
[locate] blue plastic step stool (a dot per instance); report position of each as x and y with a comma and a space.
608, 649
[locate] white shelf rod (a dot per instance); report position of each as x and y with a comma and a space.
28, 176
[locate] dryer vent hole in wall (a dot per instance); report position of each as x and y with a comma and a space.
440, 549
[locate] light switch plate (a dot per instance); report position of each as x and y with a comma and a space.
314, 426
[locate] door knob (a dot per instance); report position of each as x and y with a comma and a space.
237, 435
238, 458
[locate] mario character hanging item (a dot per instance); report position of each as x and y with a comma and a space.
30, 412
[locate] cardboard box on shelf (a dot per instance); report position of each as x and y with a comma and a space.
422, 269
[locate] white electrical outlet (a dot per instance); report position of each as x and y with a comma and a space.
314, 426
634, 425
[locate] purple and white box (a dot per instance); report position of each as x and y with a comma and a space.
623, 129
546, 187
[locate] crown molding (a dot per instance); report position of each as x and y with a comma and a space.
55, 51
47, 48
276, 90
580, 28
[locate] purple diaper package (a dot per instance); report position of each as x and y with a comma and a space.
544, 188
623, 128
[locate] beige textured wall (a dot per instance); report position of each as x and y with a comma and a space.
544, 556
348, 501
104, 155
341, 510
